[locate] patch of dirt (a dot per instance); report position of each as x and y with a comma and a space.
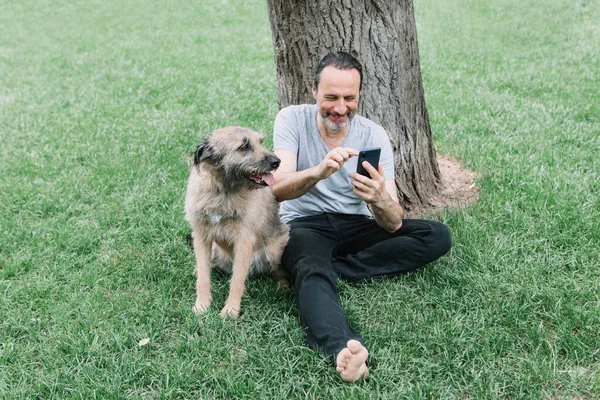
459, 189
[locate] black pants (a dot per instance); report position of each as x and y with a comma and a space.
354, 248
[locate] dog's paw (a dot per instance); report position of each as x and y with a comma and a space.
201, 307
283, 284
230, 311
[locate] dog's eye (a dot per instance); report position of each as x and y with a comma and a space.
245, 146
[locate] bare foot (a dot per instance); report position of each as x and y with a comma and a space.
351, 361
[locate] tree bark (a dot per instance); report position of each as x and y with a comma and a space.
382, 35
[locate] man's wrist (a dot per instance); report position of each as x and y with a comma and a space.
384, 203
315, 174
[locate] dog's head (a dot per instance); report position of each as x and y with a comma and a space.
236, 157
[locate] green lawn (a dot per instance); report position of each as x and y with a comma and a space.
101, 104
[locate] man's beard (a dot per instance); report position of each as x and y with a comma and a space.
334, 126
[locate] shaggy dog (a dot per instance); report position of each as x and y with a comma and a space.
233, 214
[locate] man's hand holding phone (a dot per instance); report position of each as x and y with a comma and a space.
372, 157
369, 181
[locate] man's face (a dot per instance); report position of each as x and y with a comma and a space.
337, 96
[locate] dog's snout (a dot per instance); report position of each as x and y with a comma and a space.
275, 161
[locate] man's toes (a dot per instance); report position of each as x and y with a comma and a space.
355, 346
342, 359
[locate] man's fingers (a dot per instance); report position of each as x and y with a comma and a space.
337, 157
333, 164
370, 169
342, 154
351, 152
361, 186
380, 170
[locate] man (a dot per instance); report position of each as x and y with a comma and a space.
342, 224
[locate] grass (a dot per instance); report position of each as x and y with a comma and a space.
101, 104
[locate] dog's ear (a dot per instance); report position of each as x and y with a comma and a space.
203, 151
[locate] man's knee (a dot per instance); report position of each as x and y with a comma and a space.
441, 238
309, 272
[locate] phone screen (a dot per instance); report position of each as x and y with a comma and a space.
369, 155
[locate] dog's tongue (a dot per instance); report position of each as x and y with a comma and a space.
269, 179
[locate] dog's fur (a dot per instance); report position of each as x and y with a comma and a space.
234, 214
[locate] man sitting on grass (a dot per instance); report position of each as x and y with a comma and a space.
342, 224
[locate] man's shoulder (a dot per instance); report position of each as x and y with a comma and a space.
297, 109
291, 125
295, 117
366, 123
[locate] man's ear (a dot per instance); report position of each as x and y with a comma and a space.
314, 91
203, 151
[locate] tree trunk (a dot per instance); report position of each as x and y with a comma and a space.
382, 36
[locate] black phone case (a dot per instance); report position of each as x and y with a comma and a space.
369, 155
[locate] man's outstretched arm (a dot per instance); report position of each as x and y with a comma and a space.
291, 183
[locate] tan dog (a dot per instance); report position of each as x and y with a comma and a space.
234, 214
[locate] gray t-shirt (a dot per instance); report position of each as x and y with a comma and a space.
296, 130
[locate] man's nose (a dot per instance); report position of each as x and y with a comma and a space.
340, 107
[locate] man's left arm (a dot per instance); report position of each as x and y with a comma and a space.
381, 197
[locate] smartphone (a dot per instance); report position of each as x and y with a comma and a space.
370, 155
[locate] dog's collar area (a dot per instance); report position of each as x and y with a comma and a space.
215, 219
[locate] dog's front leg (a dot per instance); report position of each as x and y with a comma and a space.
241, 265
202, 251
